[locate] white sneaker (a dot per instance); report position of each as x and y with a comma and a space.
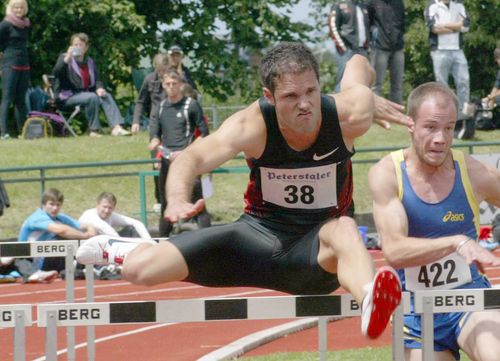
5, 261
157, 207
380, 302
43, 276
103, 250
118, 131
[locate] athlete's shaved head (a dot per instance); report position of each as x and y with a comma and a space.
285, 58
440, 93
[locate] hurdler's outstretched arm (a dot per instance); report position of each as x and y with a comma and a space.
242, 132
358, 107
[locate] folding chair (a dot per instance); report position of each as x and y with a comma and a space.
48, 81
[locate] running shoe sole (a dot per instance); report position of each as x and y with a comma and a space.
385, 297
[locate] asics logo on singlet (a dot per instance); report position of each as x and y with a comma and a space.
323, 156
453, 217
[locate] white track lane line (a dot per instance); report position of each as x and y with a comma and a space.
63, 290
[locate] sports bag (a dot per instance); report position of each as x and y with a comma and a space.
37, 127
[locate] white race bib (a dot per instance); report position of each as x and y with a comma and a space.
303, 188
446, 273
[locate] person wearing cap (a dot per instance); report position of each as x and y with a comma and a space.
176, 55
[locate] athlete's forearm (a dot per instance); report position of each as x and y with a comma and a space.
181, 177
412, 251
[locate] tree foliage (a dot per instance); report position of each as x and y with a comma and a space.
214, 34
225, 39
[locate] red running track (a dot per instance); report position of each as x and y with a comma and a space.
180, 342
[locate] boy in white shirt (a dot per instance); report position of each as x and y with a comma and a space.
106, 221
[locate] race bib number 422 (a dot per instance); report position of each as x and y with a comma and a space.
446, 273
304, 188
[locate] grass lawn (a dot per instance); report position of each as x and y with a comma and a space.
363, 354
225, 205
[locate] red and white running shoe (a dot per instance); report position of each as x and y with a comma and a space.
103, 250
380, 302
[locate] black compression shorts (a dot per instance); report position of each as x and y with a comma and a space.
247, 253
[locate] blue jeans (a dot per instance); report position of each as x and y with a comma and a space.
91, 102
395, 61
454, 62
14, 86
341, 61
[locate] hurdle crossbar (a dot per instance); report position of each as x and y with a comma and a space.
461, 300
199, 310
37, 249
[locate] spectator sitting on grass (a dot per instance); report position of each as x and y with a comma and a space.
78, 83
46, 224
106, 221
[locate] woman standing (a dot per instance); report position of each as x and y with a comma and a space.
14, 33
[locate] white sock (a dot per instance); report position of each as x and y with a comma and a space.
368, 289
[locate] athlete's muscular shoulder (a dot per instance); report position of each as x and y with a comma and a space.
485, 181
382, 180
245, 131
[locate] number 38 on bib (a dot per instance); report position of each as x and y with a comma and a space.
301, 188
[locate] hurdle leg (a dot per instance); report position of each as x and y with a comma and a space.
428, 329
19, 337
70, 298
398, 351
51, 337
322, 336
89, 280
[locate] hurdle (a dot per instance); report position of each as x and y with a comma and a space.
51, 316
59, 248
464, 300
92, 314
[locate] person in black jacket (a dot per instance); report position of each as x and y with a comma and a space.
387, 24
177, 118
14, 34
350, 35
78, 83
150, 96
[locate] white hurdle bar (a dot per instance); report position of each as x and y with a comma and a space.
198, 310
59, 248
18, 317
464, 300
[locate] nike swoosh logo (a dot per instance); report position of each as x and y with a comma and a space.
319, 157
111, 241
